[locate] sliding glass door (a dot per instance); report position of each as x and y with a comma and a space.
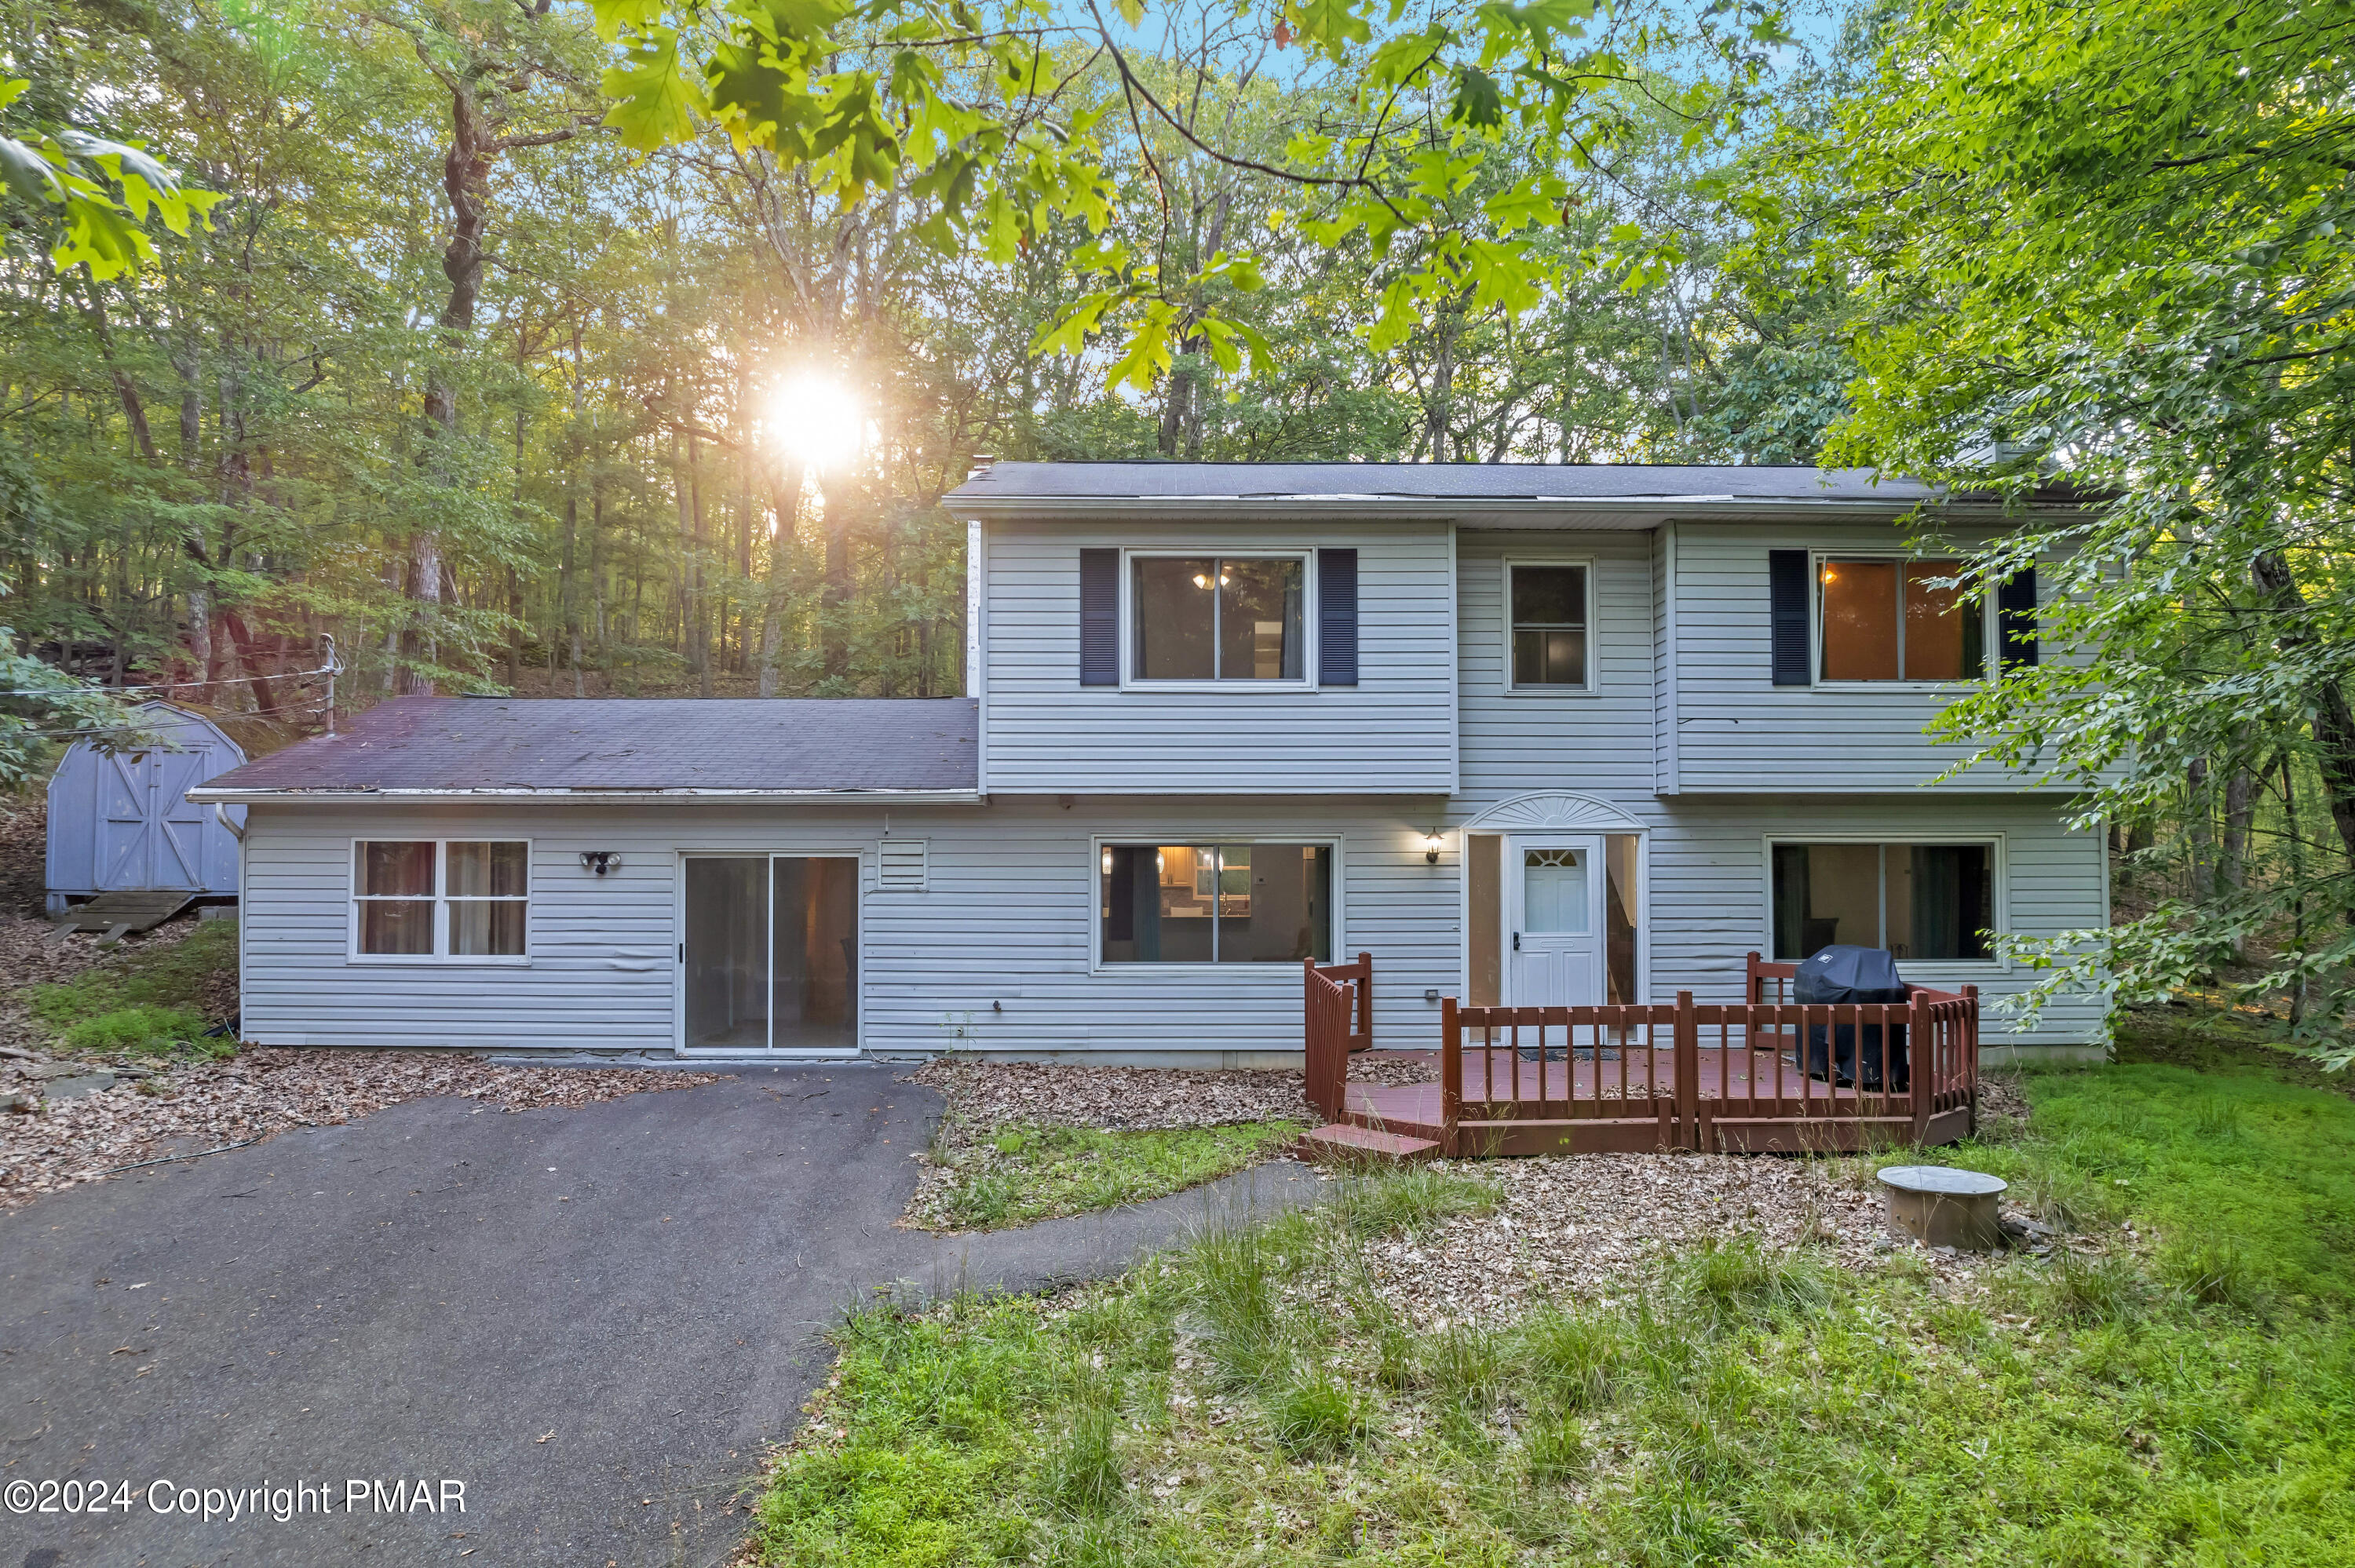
769, 953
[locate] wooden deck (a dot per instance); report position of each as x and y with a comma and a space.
1730, 1077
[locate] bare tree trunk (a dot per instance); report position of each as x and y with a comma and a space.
2232, 856
835, 623
2200, 827
787, 500
2334, 721
475, 144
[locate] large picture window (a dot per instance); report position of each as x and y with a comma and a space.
1919, 901
1890, 620
440, 899
1218, 617
1216, 904
1549, 608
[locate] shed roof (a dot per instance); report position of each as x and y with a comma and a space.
635, 747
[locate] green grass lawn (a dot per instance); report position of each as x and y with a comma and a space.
2179, 1392
148, 1000
1018, 1175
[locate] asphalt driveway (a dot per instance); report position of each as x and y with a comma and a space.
590, 1320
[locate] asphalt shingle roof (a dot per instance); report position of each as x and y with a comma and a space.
472, 743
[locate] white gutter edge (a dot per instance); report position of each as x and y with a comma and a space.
1631, 510
217, 798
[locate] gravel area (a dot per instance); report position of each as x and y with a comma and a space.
1590, 1225
993, 1093
185, 1110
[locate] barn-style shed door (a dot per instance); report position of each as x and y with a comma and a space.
122, 821
150, 835
137, 846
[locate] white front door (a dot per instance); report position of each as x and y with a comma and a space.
1553, 911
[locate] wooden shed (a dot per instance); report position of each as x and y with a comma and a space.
122, 821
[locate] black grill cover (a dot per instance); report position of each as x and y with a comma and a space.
1844, 974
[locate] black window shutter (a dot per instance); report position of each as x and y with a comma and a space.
1099, 618
1337, 618
2015, 615
1786, 583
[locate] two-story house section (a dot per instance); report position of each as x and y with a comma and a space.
1525, 734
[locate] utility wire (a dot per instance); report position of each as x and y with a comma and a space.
173, 686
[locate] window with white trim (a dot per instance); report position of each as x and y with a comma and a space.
1891, 619
1218, 617
440, 899
1215, 904
1921, 901
1548, 603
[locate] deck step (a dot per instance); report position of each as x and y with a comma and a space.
1343, 1144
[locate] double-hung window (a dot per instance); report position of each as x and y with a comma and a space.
1215, 904
1218, 617
1548, 606
1922, 900
1899, 620
421, 899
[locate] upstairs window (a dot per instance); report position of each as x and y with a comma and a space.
1216, 904
1218, 617
1919, 901
1549, 607
1890, 621
427, 899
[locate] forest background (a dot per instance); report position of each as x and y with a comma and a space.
210, 462
485, 341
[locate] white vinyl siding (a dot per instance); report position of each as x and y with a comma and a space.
1710, 898
1008, 920
1597, 738
1392, 733
1736, 732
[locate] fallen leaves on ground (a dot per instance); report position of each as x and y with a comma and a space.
265, 1090
995, 1094
28, 957
1590, 1225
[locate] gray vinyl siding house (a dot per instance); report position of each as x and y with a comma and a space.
683, 881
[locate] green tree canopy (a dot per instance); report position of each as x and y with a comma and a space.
2104, 245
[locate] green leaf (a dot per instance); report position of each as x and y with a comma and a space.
1478, 101
611, 17
655, 99
1328, 27
1068, 333
29, 176
1535, 200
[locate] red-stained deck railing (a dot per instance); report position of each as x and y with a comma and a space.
1340, 1020
1694, 1075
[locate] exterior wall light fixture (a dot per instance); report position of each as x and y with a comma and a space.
1430, 845
599, 860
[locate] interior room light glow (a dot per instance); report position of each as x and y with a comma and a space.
814, 419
